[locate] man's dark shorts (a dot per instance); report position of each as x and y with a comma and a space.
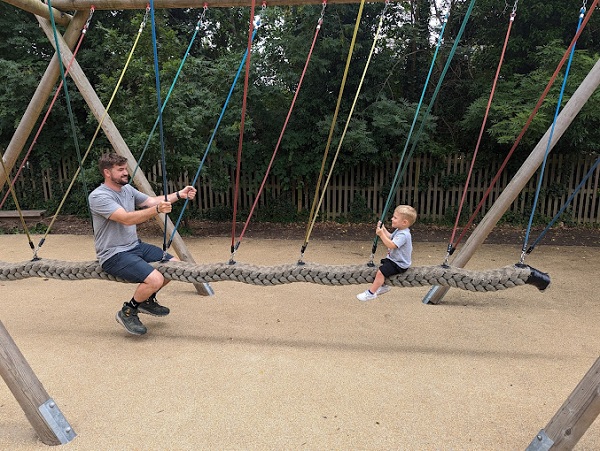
133, 265
389, 268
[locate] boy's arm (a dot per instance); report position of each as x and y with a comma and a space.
385, 236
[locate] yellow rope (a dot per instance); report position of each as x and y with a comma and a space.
313, 211
142, 25
17, 205
313, 218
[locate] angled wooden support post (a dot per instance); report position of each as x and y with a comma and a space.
518, 182
41, 9
574, 417
41, 411
39, 99
118, 143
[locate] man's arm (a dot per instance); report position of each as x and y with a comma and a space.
138, 216
152, 207
189, 192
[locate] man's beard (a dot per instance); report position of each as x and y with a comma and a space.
120, 181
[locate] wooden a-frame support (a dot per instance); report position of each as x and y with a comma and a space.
41, 411
565, 429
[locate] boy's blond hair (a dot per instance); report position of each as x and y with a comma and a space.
407, 212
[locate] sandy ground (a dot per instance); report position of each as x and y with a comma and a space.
302, 366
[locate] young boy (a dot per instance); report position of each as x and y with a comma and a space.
399, 244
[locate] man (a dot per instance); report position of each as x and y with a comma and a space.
118, 248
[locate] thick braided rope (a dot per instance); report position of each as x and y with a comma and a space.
488, 280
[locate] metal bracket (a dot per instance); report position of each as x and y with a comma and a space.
541, 442
57, 422
430, 294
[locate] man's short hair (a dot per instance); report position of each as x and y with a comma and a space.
110, 160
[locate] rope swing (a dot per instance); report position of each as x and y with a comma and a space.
478, 281
270, 165
87, 152
401, 170
257, 25
525, 248
451, 246
527, 122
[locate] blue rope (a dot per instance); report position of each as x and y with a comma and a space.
425, 116
412, 127
187, 52
548, 146
237, 76
160, 119
564, 207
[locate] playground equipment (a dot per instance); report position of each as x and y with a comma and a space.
43, 412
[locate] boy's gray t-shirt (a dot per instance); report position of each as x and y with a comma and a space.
112, 237
402, 255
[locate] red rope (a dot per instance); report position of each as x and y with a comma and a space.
58, 90
260, 190
242, 123
529, 120
485, 118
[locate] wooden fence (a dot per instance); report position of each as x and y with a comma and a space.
432, 185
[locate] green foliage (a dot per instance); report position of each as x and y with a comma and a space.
382, 116
359, 212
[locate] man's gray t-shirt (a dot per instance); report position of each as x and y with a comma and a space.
112, 237
403, 253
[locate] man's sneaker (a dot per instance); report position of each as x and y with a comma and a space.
366, 296
128, 318
152, 307
383, 289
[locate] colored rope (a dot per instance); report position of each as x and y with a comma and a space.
183, 60
564, 207
11, 189
412, 127
527, 123
549, 145
212, 137
339, 147
160, 120
264, 181
98, 128
242, 126
402, 168
56, 93
313, 211
70, 111
481, 131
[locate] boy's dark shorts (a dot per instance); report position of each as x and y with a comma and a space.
389, 268
133, 265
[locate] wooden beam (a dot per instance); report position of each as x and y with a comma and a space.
27, 390
585, 90
40, 9
574, 417
118, 143
39, 99
70, 5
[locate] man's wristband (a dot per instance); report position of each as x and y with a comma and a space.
157, 211
178, 196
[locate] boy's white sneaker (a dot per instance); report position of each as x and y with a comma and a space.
383, 289
366, 296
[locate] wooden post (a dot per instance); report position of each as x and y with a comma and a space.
29, 392
114, 136
39, 99
574, 417
518, 182
70, 5
41, 9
